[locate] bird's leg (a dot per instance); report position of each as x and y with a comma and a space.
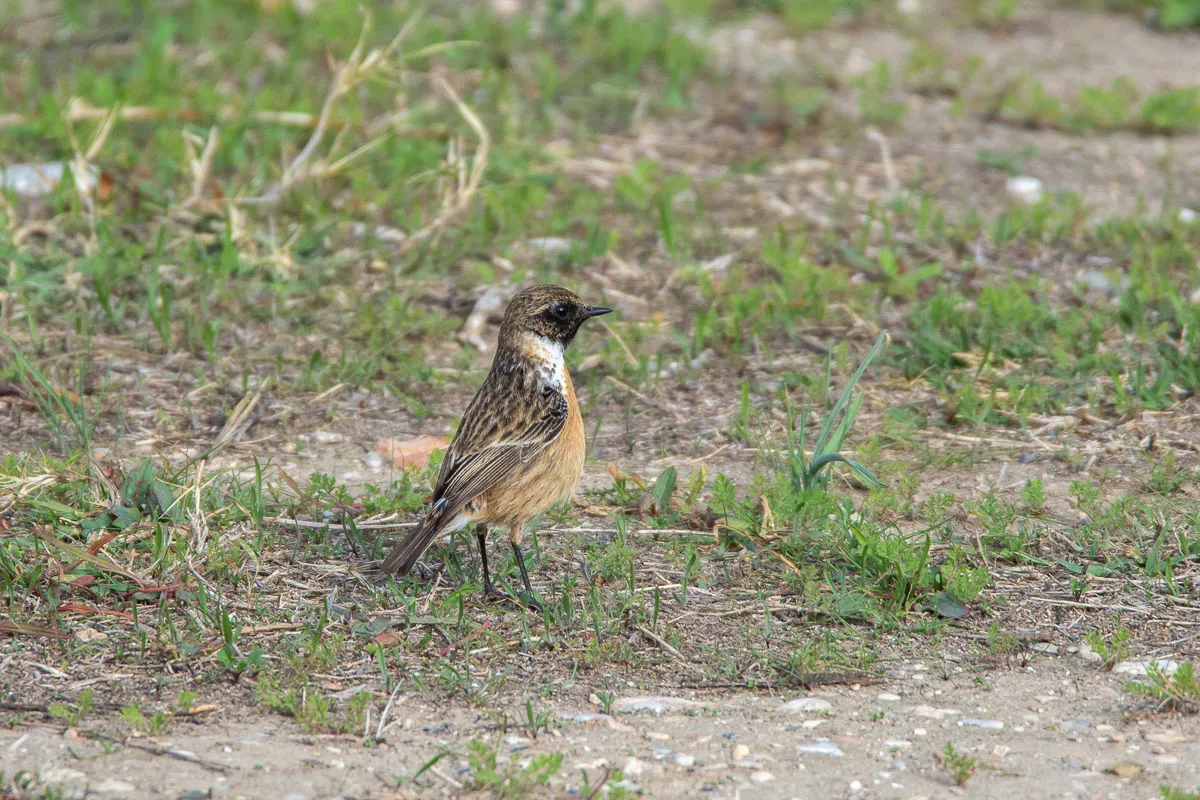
529, 598
489, 590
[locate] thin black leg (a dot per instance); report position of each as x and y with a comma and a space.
530, 598
481, 533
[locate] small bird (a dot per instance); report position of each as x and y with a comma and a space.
520, 446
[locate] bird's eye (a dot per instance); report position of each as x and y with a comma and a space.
561, 311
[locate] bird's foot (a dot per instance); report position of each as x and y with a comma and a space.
530, 601
520, 602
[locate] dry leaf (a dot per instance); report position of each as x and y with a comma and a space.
1124, 769
388, 638
104, 186
90, 635
410, 452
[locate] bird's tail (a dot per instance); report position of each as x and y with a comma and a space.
405, 554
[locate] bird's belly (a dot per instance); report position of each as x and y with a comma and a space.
550, 477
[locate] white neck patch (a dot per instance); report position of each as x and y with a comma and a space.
547, 355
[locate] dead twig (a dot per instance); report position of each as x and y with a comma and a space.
359, 67
238, 422
181, 755
664, 644
201, 166
456, 200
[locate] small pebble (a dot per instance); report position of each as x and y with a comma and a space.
887, 697
549, 245
373, 460
986, 724
740, 752
821, 747
328, 437
856, 786
656, 705
1024, 189
929, 712
1165, 665
761, 776
685, 760
111, 787
634, 766
806, 705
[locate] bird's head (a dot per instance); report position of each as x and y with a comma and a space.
547, 313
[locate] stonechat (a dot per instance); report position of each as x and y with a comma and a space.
520, 446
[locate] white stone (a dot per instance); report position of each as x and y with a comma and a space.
986, 724
761, 776
655, 705
806, 705
110, 787
549, 245
1141, 668
821, 747
1024, 189
634, 766
685, 760
887, 697
929, 712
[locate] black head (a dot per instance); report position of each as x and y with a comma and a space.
551, 312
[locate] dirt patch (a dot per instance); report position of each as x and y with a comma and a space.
1054, 727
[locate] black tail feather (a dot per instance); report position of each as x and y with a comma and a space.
405, 554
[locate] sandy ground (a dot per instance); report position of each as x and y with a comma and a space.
1053, 728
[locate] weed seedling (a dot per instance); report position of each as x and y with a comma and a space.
959, 766
1112, 649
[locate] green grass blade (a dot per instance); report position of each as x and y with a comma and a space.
831, 418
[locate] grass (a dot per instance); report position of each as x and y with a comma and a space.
1178, 691
288, 228
957, 766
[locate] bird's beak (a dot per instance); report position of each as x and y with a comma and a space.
597, 311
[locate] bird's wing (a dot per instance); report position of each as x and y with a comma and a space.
500, 431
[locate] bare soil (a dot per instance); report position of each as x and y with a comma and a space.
1050, 727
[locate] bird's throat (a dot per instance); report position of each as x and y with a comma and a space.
546, 356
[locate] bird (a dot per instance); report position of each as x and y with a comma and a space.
520, 446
